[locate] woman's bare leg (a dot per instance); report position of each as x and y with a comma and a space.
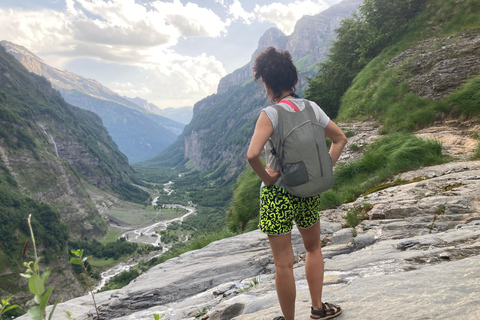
314, 267
284, 281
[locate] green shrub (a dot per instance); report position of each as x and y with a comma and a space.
476, 156
357, 213
349, 133
246, 203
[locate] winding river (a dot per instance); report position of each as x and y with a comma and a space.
149, 235
146, 235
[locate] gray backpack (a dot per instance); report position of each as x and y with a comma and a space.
306, 164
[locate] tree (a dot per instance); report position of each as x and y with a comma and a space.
377, 24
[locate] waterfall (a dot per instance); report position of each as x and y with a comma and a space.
41, 125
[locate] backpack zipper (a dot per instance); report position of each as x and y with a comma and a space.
293, 129
320, 160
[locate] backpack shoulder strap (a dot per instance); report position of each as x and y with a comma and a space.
310, 110
291, 105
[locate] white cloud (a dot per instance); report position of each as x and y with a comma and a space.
38, 31
109, 28
237, 11
192, 77
181, 81
286, 16
128, 33
142, 35
190, 19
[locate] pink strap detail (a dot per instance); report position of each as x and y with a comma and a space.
291, 105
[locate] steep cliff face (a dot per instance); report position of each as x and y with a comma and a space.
313, 35
134, 126
271, 37
49, 145
221, 129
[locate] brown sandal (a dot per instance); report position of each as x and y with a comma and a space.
329, 311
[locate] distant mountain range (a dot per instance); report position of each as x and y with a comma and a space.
137, 127
182, 114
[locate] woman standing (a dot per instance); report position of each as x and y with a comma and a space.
279, 75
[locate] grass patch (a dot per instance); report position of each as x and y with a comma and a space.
111, 235
102, 264
383, 159
357, 214
136, 215
242, 215
349, 133
476, 156
354, 147
171, 213
454, 16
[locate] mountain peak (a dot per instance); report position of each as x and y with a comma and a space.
16, 49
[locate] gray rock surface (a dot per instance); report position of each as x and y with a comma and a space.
416, 256
440, 66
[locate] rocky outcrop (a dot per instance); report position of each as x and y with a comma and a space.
271, 37
438, 67
313, 35
418, 248
193, 149
457, 137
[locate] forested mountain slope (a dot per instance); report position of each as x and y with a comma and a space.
48, 150
139, 133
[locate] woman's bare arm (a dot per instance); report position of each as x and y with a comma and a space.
339, 140
263, 131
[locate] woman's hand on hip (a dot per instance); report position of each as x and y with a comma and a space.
273, 176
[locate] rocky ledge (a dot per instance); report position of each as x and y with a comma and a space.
415, 256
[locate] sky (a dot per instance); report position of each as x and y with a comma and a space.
172, 53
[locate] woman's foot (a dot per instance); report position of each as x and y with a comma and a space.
329, 311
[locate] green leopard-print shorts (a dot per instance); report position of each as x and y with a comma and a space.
279, 209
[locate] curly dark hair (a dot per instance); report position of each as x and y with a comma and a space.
277, 70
